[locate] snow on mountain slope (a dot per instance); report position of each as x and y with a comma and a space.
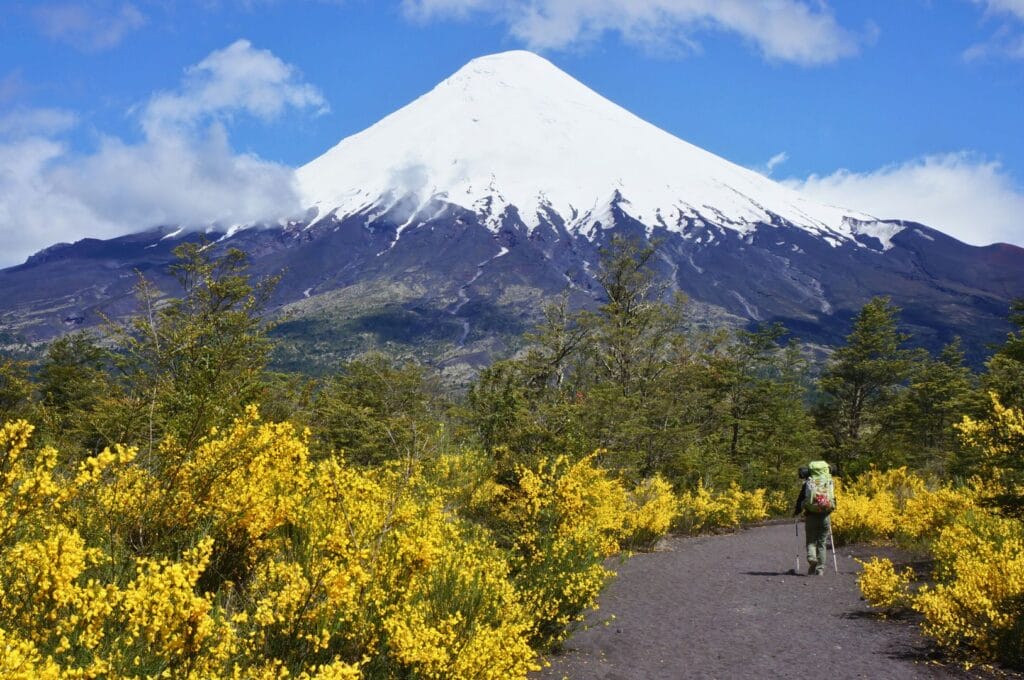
512, 129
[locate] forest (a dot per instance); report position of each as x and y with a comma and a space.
171, 504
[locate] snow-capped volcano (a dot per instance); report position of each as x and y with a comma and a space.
446, 227
511, 129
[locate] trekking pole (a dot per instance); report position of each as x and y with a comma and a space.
832, 540
796, 525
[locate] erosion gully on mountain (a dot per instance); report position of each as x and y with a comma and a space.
464, 295
730, 606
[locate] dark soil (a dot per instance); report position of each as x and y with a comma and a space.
730, 606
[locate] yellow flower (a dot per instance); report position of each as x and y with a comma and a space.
882, 586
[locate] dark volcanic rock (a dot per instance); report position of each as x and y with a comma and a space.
464, 289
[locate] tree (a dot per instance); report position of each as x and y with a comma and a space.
15, 390
72, 380
860, 383
287, 396
770, 430
1002, 445
516, 421
634, 330
525, 408
940, 391
625, 376
1014, 347
635, 380
373, 411
599, 379
554, 345
1005, 370
195, 361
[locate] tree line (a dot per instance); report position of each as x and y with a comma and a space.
635, 379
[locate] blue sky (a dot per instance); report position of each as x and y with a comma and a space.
115, 115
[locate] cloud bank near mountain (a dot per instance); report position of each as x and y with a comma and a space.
967, 196
183, 170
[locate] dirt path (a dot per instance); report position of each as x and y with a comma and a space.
730, 607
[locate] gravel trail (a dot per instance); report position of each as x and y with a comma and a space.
729, 606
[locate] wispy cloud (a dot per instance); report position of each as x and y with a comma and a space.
184, 172
1008, 38
91, 27
1011, 7
28, 122
775, 161
794, 31
11, 86
962, 194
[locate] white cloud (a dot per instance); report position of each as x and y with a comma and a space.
1005, 42
28, 122
238, 78
177, 179
183, 172
786, 30
1008, 39
966, 196
88, 26
1012, 7
774, 162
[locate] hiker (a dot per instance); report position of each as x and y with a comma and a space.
817, 500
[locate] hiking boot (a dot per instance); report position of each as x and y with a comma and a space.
819, 571
812, 568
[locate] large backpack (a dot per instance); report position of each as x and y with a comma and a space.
820, 496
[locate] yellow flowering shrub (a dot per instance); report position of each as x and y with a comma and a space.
975, 605
561, 520
999, 439
239, 486
651, 511
50, 607
899, 483
780, 503
927, 513
388, 576
241, 558
466, 479
165, 625
703, 510
882, 586
335, 670
20, 660
999, 436
753, 505
30, 491
978, 600
859, 517
897, 503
